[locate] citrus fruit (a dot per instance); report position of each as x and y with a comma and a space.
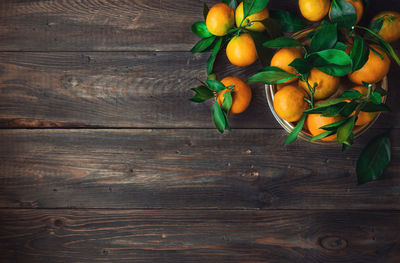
241, 50
257, 26
241, 94
220, 19
289, 103
315, 121
390, 30
363, 117
327, 85
374, 70
284, 57
314, 10
358, 6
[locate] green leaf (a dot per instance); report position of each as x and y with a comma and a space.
348, 109
272, 75
377, 24
227, 102
295, 132
218, 117
232, 3
340, 45
264, 54
228, 126
213, 56
345, 130
282, 42
333, 126
253, 6
321, 136
371, 107
351, 94
215, 85
381, 91
384, 44
376, 97
200, 29
202, 94
330, 102
324, 38
289, 22
328, 111
273, 28
301, 65
348, 142
212, 76
203, 44
359, 53
205, 10
343, 13
333, 62
374, 159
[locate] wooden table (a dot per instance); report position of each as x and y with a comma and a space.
104, 158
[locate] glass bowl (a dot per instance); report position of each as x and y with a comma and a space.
305, 135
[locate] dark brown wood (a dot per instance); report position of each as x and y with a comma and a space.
185, 169
125, 89
199, 236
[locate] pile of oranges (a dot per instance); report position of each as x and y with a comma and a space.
292, 97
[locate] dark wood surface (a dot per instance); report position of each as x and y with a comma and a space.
104, 159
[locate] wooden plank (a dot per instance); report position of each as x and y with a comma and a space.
199, 236
125, 89
117, 25
247, 169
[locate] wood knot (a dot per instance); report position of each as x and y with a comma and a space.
333, 243
58, 222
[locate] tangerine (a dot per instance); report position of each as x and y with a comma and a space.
284, 57
327, 85
390, 30
241, 50
289, 103
241, 94
256, 26
316, 121
314, 10
220, 19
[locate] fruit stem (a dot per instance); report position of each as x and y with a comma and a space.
311, 90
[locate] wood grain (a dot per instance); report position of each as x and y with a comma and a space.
125, 89
116, 25
199, 236
197, 169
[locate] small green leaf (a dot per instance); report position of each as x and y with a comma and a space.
227, 102
253, 6
351, 94
232, 3
282, 42
301, 65
333, 126
288, 22
203, 44
202, 94
343, 13
273, 28
264, 54
295, 132
333, 62
348, 142
218, 117
376, 25
205, 10
345, 130
330, 102
374, 159
213, 56
321, 136
215, 85
348, 109
376, 97
272, 75
325, 37
340, 45
200, 29
359, 53
228, 126
371, 107
329, 110
212, 76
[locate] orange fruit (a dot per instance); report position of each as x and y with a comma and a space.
390, 30
358, 6
314, 10
327, 84
315, 121
289, 103
257, 26
374, 70
284, 57
241, 94
220, 19
363, 117
241, 50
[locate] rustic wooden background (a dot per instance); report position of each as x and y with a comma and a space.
103, 158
